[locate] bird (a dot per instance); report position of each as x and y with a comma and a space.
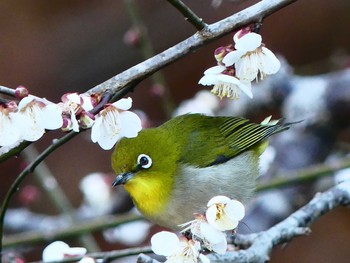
173, 170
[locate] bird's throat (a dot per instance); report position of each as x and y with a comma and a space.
149, 196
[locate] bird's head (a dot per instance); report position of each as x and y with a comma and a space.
146, 165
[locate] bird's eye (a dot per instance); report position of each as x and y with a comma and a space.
144, 161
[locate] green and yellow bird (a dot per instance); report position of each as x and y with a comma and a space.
172, 171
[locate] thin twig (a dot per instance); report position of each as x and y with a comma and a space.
189, 15
110, 255
7, 91
147, 51
305, 175
71, 231
57, 196
14, 151
22, 175
295, 225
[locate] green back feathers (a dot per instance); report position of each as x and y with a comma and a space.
212, 140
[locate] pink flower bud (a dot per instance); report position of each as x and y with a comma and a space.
86, 120
95, 99
242, 33
221, 52
67, 124
28, 194
132, 37
157, 90
21, 92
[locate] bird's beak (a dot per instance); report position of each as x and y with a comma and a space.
122, 178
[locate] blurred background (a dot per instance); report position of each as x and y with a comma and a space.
54, 47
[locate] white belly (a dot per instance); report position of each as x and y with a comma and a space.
201, 184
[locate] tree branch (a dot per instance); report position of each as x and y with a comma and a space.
214, 31
48, 182
189, 15
7, 91
296, 224
304, 175
71, 231
110, 255
23, 174
261, 244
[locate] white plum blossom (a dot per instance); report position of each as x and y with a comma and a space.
164, 243
129, 234
115, 122
213, 239
203, 102
10, 134
71, 107
177, 250
224, 213
251, 57
225, 84
59, 250
97, 192
35, 115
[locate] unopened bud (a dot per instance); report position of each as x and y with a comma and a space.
221, 52
95, 99
157, 90
86, 120
241, 33
21, 92
67, 124
132, 37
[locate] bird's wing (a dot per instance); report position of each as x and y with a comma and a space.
228, 137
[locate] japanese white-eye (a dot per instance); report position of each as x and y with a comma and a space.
172, 171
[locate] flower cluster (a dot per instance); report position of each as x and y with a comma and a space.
238, 66
207, 231
28, 119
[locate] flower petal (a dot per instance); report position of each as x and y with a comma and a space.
28, 123
249, 42
246, 87
54, 251
221, 247
130, 124
219, 199
272, 63
247, 68
215, 70
51, 117
9, 132
211, 234
235, 209
123, 104
228, 79
208, 80
87, 102
232, 57
74, 97
106, 139
25, 101
165, 243
74, 251
96, 129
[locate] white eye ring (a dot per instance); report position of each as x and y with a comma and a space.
144, 161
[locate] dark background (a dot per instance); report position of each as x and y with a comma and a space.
54, 47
